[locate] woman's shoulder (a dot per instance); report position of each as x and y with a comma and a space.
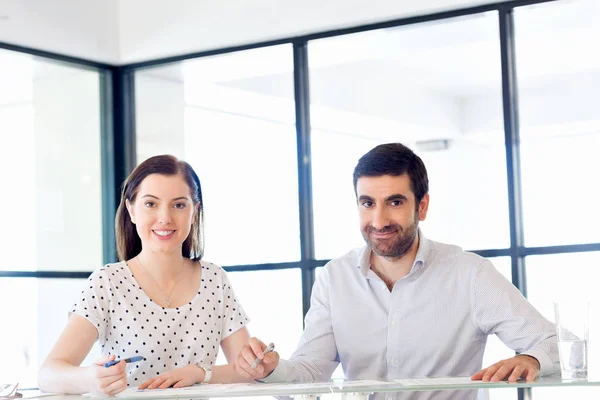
212, 272
211, 267
109, 271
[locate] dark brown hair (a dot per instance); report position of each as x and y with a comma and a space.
394, 159
129, 243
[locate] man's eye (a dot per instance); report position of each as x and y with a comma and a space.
396, 202
367, 203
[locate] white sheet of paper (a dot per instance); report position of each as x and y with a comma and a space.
461, 380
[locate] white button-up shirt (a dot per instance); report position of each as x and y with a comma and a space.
433, 323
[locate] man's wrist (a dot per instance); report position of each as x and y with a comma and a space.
532, 358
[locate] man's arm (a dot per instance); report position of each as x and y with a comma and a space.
316, 357
499, 308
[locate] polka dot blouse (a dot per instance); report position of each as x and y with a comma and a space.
130, 324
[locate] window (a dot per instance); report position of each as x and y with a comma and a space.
51, 170
559, 84
423, 85
232, 118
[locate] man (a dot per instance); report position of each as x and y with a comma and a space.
405, 306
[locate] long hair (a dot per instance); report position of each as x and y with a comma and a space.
394, 159
128, 241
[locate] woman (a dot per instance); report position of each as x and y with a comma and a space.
160, 302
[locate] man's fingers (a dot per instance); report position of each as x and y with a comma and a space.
272, 357
248, 354
500, 374
478, 375
516, 373
489, 372
257, 347
531, 374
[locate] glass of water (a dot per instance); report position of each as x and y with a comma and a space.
572, 328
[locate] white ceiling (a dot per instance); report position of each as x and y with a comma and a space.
458, 57
127, 31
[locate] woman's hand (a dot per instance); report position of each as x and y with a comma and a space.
180, 377
107, 381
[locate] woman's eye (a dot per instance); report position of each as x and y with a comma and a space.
149, 204
180, 205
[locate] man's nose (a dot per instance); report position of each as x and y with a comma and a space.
380, 218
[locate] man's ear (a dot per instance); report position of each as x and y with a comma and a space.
423, 207
130, 210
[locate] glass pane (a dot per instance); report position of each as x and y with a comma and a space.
29, 331
559, 94
560, 276
432, 86
232, 118
273, 302
495, 350
50, 160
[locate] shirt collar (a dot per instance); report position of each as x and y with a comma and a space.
420, 258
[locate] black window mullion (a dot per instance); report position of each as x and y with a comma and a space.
305, 199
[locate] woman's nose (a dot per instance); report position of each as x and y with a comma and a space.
164, 216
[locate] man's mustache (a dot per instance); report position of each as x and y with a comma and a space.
385, 229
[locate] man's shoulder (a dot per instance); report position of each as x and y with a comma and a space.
348, 261
449, 253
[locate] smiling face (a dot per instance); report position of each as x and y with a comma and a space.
388, 213
163, 212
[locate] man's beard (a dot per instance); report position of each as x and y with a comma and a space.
394, 247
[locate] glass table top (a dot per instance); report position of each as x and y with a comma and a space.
409, 389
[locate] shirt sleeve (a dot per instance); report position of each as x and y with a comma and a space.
234, 316
93, 301
316, 357
501, 309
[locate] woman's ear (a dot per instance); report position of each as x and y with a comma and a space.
130, 211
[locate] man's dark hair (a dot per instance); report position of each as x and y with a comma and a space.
394, 159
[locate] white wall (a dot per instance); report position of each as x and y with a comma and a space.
120, 32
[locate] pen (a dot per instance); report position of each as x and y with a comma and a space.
269, 349
127, 360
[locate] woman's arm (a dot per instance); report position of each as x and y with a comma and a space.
61, 373
192, 374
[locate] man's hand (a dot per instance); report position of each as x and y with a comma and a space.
250, 352
180, 377
513, 368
